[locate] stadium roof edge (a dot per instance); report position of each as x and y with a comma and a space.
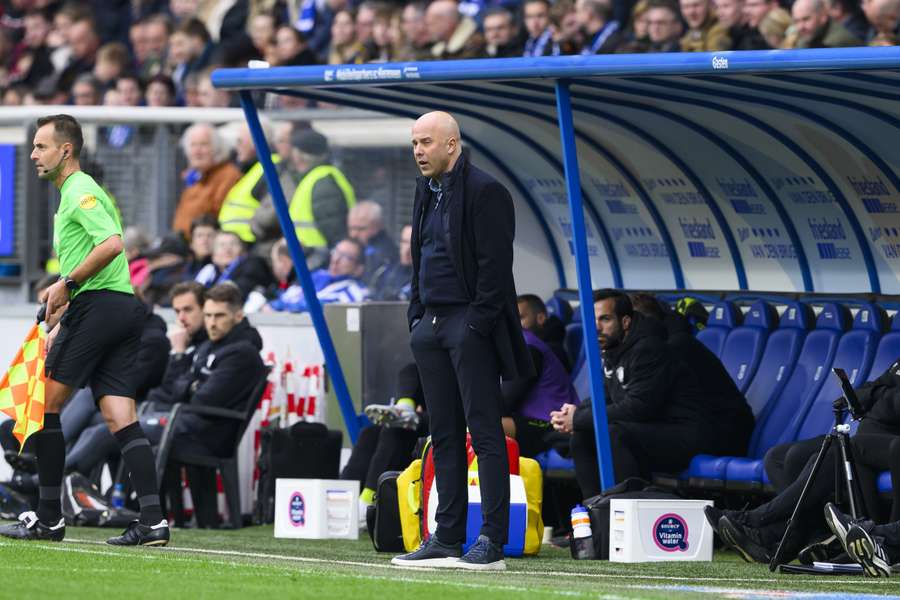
562, 67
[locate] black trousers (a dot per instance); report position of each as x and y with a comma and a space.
377, 450
875, 448
461, 379
638, 450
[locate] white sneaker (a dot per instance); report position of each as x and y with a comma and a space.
363, 509
400, 416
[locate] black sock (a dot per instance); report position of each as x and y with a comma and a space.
50, 448
139, 460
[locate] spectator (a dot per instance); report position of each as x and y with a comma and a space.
392, 282
31, 59
224, 371
849, 13
112, 63
603, 34
705, 33
536, 14
731, 16
49, 92
291, 48
208, 95
190, 50
501, 34
658, 418
385, 34
156, 30
663, 28
315, 23
534, 317
884, 16
452, 35
230, 262
322, 198
262, 34
14, 95
344, 47
339, 283
172, 262
567, 32
160, 91
242, 200
136, 244
190, 91
529, 402
365, 22
130, 90
207, 157
754, 12
416, 39
815, 29
83, 44
365, 224
86, 91
774, 29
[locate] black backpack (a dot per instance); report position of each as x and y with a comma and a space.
383, 515
598, 508
303, 451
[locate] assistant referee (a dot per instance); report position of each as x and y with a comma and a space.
95, 323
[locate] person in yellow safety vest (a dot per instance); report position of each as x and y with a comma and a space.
243, 199
319, 204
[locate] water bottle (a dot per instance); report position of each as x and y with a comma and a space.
582, 542
118, 497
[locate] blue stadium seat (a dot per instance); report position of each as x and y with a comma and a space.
854, 354
888, 349
573, 344
560, 309
744, 345
774, 370
806, 379
722, 319
552, 463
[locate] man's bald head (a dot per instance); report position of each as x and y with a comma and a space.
441, 19
436, 143
809, 17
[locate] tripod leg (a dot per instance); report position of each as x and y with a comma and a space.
820, 457
848, 468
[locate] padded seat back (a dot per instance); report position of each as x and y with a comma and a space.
745, 344
888, 350
560, 309
809, 372
722, 319
573, 344
854, 354
777, 363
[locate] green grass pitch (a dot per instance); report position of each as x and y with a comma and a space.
251, 565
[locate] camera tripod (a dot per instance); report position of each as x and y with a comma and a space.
844, 469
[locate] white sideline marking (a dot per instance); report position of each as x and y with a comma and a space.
305, 559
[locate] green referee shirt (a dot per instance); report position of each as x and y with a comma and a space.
86, 218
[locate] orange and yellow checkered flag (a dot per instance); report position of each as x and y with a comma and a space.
22, 386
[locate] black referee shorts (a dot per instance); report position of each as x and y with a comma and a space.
98, 342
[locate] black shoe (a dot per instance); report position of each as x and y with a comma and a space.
30, 528
840, 523
745, 540
827, 550
713, 515
484, 555
26, 461
142, 535
431, 553
867, 552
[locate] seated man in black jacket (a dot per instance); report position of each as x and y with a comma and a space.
875, 445
659, 417
224, 371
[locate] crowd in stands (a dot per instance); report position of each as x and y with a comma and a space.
161, 53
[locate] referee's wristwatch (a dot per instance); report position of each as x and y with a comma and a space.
71, 284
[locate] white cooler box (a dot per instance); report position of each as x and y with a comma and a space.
657, 530
317, 509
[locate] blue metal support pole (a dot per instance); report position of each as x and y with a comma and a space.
585, 289
332, 364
